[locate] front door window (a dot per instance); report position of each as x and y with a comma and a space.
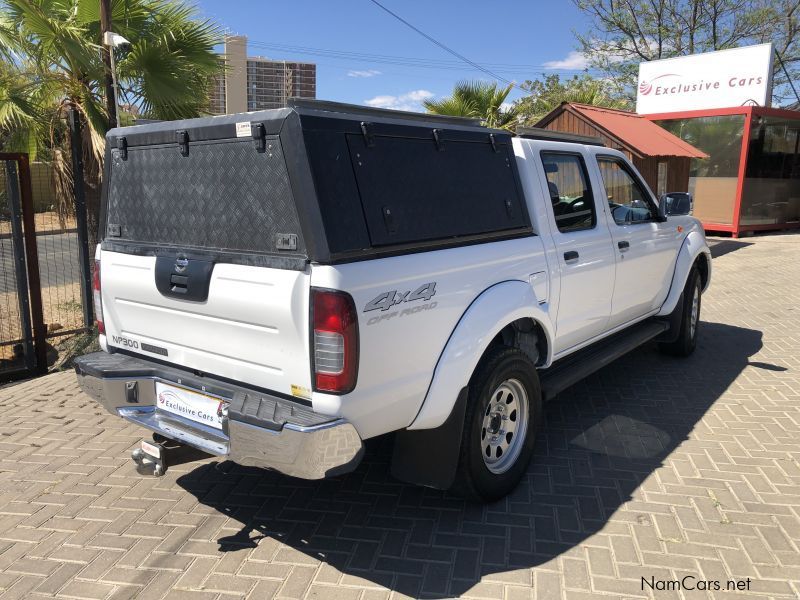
627, 200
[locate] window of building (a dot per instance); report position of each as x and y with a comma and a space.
627, 199
713, 181
570, 193
771, 190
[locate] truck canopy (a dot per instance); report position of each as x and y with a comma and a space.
317, 182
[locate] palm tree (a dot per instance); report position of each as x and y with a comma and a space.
19, 111
477, 99
50, 55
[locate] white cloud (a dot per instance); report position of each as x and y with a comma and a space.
409, 101
367, 73
573, 61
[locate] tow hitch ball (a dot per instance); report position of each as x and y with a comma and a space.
151, 457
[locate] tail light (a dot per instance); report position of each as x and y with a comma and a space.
98, 301
334, 355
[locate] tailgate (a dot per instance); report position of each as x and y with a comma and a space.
252, 327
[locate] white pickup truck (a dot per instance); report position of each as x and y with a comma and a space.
277, 287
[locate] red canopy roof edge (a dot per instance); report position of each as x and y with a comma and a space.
638, 134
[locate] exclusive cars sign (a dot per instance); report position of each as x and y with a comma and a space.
722, 79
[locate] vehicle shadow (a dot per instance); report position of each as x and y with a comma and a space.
726, 246
600, 440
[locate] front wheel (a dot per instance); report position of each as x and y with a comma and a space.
686, 341
503, 412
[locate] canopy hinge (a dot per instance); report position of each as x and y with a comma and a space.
122, 146
182, 137
437, 138
259, 134
366, 131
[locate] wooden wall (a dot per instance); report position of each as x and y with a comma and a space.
677, 172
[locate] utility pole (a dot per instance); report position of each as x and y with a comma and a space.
78, 191
105, 25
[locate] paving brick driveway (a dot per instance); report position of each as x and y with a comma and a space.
654, 467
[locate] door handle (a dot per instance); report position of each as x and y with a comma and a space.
623, 246
571, 256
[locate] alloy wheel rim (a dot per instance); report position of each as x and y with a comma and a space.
505, 423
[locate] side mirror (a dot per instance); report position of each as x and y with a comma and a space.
663, 209
677, 203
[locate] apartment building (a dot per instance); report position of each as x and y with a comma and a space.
258, 83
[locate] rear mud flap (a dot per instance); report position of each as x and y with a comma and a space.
429, 457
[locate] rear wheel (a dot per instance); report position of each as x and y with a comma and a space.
503, 412
689, 326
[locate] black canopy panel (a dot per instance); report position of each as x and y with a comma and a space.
319, 182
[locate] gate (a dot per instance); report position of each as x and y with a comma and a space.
22, 329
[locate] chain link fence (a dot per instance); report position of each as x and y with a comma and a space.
45, 295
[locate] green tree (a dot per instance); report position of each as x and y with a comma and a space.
51, 60
625, 33
477, 99
19, 111
549, 92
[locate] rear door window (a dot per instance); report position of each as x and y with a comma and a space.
571, 197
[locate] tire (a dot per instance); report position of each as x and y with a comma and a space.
503, 390
689, 327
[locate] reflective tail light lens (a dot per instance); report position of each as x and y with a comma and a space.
334, 355
98, 301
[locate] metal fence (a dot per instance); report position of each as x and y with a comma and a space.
59, 261
44, 272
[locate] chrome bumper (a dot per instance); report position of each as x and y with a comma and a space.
309, 452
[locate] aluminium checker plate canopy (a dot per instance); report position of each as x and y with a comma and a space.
318, 181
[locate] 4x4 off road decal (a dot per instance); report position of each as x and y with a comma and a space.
387, 300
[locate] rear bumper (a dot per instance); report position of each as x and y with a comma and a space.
259, 430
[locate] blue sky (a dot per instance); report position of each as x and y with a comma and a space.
516, 39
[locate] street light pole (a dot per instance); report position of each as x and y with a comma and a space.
114, 83
108, 64
113, 41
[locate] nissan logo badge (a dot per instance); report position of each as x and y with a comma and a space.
181, 264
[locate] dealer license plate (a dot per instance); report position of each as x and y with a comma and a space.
189, 404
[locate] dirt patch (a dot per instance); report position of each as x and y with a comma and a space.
63, 311
44, 221
61, 305
61, 352
8, 353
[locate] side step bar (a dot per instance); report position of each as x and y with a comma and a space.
571, 369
